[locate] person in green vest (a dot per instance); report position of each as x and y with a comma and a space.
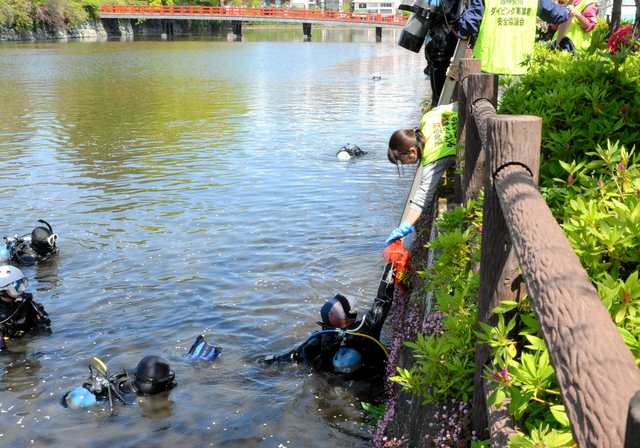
434, 145
576, 33
506, 30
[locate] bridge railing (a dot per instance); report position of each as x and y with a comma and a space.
253, 12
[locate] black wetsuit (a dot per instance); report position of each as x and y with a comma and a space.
321, 347
25, 254
20, 315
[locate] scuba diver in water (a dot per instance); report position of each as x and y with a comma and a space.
152, 376
35, 248
19, 313
350, 152
348, 347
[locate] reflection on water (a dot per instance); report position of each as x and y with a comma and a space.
195, 188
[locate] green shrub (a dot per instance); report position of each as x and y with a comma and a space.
21, 19
582, 101
446, 358
6, 14
590, 178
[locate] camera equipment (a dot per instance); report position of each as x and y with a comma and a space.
417, 27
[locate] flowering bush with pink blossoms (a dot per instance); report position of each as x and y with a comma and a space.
622, 39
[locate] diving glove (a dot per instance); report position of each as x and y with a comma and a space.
404, 230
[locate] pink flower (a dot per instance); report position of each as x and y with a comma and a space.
621, 167
479, 229
620, 39
570, 178
502, 376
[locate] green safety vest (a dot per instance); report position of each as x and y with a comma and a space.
440, 129
507, 35
580, 38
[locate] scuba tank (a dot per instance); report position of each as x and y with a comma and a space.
347, 360
80, 397
5, 256
99, 388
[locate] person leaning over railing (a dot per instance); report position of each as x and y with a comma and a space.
583, 15
434, 146
506, 30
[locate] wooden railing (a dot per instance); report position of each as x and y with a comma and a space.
266, 13
595, 370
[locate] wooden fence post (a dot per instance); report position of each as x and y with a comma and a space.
479, 86
499, 278
595, 369
632, 433
467, 66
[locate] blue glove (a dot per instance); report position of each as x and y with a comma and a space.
403, 230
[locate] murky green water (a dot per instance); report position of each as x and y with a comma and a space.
195, 189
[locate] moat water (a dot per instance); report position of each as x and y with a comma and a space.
195, 189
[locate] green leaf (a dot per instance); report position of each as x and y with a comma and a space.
560, 415
500, 397
536, 342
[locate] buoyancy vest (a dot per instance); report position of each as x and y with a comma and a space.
507, 35
439, 127
580, 38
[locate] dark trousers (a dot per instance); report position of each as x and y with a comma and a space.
438, 52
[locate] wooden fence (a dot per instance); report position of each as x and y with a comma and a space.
596, 372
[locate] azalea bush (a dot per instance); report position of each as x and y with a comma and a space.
582, 101
591, 181
590, 178
445, 350
52, 14
622, 39
522, 372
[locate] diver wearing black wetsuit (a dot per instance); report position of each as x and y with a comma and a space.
152, 376
19, 313
345, 346
29, 250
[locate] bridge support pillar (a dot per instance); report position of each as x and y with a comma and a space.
168, 27
237, 28
378, 33
306, 30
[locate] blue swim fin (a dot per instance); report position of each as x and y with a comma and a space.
200, 349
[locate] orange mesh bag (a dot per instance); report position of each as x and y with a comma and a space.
397, 255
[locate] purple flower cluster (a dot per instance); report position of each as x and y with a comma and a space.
433, 324
406, 322
397, 320
452, 426
419, 253
46, 17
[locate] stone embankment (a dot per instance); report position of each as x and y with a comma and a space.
104, 28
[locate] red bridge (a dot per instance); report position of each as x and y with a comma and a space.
239, 15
